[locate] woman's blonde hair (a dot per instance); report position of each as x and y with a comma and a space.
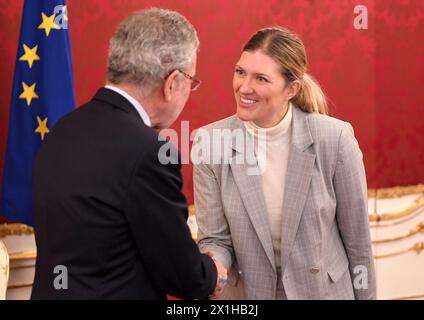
288, 51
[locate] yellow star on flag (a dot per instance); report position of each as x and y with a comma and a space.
30, 55
48, 23
28, 93
42, 127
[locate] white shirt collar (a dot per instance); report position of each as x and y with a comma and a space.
143, 114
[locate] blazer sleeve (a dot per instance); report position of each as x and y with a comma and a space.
352, 214
213, 230
156, 210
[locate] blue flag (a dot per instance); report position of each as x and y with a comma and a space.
43, 91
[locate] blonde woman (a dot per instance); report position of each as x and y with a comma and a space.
298, 227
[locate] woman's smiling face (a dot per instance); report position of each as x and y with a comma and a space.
260, 89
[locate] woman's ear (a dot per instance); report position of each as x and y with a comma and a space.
294, 88
169, 85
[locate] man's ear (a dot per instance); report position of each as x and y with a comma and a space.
169, 85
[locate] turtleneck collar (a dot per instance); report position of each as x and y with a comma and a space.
273, 133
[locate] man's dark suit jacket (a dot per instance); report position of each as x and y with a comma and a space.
107, 210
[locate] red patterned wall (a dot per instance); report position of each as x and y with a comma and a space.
373, 77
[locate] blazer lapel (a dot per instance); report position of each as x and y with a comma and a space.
299, 172
250, 188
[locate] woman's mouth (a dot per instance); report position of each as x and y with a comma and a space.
245, 102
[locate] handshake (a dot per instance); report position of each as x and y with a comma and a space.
221, 279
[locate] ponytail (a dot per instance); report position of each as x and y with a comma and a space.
288, 51
311, 98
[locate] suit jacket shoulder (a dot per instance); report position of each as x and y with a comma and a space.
323, 126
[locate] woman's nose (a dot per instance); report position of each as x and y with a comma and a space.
245, 86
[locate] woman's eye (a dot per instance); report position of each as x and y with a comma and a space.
262, 79
239, 71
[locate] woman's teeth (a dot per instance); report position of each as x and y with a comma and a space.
247, 101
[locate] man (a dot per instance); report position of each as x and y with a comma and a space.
110, 219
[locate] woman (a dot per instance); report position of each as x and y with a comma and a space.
297, 228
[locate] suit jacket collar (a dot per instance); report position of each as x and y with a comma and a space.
113, 98
299, 175
301, 134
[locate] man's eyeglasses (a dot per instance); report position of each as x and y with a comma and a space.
195, 83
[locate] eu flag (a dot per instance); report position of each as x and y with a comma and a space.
43, 91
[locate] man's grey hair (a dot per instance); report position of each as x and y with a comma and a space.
149, 45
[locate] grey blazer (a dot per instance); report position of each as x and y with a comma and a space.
325, 247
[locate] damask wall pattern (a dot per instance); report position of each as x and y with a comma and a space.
373, 77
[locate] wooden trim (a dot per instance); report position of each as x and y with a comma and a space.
22, 267
19, 285
377, 217
26, 255
418, 228
12, 229
394, 223
415, 296
417, 247
395, 192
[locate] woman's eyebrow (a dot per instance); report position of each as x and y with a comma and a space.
255, 73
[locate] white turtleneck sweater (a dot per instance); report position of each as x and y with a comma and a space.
272, 162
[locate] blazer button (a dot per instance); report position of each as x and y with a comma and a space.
314, 270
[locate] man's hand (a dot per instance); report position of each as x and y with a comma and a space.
222, 277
